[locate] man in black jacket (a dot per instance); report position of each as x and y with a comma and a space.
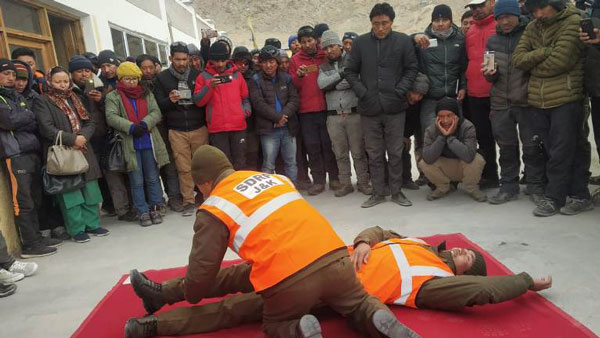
185, 121
381, 70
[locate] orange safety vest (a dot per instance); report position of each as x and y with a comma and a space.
270, 225
398, 268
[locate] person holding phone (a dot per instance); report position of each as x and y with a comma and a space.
221, 89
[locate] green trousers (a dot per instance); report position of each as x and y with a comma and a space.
80, 208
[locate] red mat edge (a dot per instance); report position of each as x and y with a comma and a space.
560, 311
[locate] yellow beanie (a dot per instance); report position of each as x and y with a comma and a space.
129, 69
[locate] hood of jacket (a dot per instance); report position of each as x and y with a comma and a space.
570, 10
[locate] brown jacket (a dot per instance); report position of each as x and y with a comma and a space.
457, 292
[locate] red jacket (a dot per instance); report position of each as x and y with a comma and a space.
312, 99
477, 38
227, 105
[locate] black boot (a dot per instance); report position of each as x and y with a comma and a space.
141, 327
149, 291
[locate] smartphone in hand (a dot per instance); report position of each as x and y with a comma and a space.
588, 27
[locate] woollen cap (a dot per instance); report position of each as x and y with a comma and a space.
129, 69
108, 56
330, 38
441, 11
320, 29
80, 62
291, 39
507, 7
208, 163
218, 52
22, 71
447, 103
6, 64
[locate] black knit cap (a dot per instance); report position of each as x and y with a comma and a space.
78, 62
6, 64
267, 53
447, 103
441, 11
241, 53
92, 57
320, 29
108, 56
218, 52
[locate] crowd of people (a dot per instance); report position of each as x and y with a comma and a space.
515, 75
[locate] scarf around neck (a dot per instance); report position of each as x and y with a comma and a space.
443, 34
138, 94
60, 98
180, 76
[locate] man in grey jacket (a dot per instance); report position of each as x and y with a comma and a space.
343, 121
381, 70
450, 153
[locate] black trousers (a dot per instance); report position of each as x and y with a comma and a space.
596, 121
233, 144
26, 187
6, 260
563, 133
384, 133
479, 110
301, 157
321, 159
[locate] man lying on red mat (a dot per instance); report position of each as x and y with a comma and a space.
396, 269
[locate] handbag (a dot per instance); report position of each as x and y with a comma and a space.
115, 160
64, 160
55, 185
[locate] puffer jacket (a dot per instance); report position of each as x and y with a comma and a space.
18, 126
509, 83
592, 60
227, 105
552, 52
312, 99
445, 64
477, 38
339, 95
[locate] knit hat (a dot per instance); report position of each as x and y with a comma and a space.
193, 50
510, 7
421, 84
22, 71
208, 163
92, 57
6, 64
218, 52
441, 11
283, 54
447, 103
479, 268
320, 29
330, 38
108, 56
268, 52
129, 69
241, 53
291, 39
273, 42
224, 39
80, 62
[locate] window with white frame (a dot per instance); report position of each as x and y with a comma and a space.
127, 43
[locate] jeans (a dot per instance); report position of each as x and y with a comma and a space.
480, 116
278, 141
321, 159
147, 173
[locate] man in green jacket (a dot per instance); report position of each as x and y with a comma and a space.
551, 51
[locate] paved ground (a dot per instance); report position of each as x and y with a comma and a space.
69, 284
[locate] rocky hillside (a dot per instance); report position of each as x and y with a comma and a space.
280, 18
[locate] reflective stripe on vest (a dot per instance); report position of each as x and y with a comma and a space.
270, 225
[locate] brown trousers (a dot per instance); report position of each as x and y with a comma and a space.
445, 170
334, 285
184, 144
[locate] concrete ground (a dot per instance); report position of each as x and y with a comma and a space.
68, 285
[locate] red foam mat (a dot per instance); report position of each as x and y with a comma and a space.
528, 316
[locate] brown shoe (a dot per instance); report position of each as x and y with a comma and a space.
335, 185
437, 194
344, 190
478, 195
316, 189
365, 188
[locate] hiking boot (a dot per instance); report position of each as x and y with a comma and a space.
436, 194
309, 327
149, 292
38, 250
373, 201
51, 242
410, 184
303, 184
188, 210
334, 185
400, 199
130, 216
546, 208
60, 233
81, 237
595, 180
27, 269
316, 189
10, 277
141, 327
486, 183
502, 197
344, 190
575, 206
175, 204
478, 195
155, 215
7, 289
98, 232
145, 219
385, 322
365, 188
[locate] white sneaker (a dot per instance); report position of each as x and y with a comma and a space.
24, 268
7, 277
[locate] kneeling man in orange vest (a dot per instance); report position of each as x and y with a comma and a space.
297, 260
396, 269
